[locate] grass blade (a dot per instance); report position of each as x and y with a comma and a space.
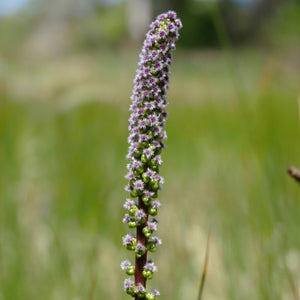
204, 268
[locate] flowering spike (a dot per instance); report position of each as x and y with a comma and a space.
147, 133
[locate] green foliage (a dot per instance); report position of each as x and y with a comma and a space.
284, 29
62, 168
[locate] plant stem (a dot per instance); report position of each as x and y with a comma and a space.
141, 261
204, 268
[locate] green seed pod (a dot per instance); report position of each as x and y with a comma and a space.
146, 179
130, 247
142, 221
153, 163
152, 211
150, 296
141, 294
150, 133
145, 273
136, 172
157, 151
134, 194
151, 247
130, 270
144, 144
141, 170
146, 201
133, 210
154, 184
144, 158
132, 224
146, 232
155, 194
130, 292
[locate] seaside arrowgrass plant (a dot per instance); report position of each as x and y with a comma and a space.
147, 133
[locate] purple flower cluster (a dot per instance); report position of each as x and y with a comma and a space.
146, 140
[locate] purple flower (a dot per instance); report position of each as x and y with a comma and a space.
128, 284
153, 119
143, 138
154, 24
162, 33
159, 178
130, 175
148, 194
150, 173
128, 204
140, 247
128, 239
150, 266
140, 288
163, 49
152, 226
156, 240
171, 14
128, 188
139, 185
158, 159
143, 123
158, 66
140, 214
148, 152
125, 264
155, 292
154, 54
126, 218
149, 106
140, 111
162, 17
156, 204
136, 164
178, 23
171, 28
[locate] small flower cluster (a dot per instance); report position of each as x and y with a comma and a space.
147, 133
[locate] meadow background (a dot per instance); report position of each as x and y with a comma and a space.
66, 71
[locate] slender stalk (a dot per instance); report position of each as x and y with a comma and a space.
204, 269
140, 262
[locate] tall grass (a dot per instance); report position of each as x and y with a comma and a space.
61, 188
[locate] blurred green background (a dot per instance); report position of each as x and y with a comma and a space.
66, 71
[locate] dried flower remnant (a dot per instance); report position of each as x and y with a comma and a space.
294, 172
146, 140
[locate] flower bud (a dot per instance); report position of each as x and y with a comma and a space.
145, 177
152, 211
134, 194
147, 274
140, 170
154, 184
146, 232
151, 247
146, 200
133, 209
132, 224
144, 158
150, 296
130, 270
